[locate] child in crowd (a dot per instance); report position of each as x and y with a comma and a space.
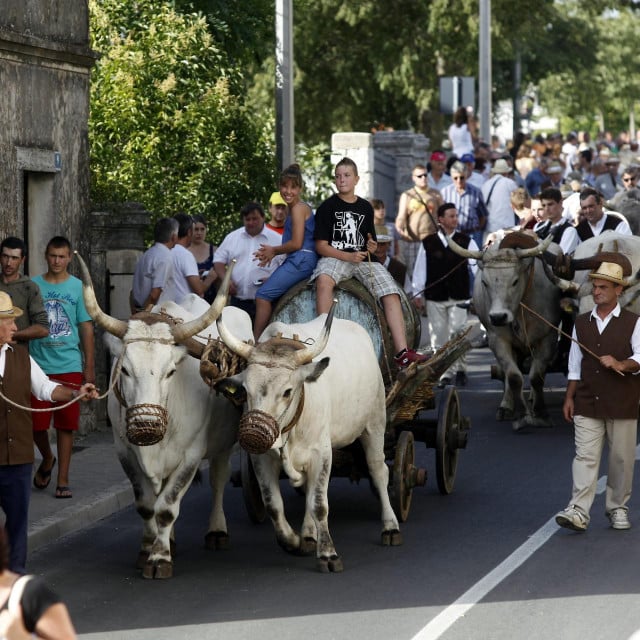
297, 245
379, 219
345, 241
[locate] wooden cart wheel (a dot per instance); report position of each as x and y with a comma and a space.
446, 449
251, 490
402, 474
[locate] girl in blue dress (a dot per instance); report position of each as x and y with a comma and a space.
297, 243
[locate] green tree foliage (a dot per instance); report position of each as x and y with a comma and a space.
601, 95
169, 126
359, 65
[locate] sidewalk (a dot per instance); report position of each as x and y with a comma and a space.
99, 487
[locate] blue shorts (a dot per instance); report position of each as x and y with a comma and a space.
296, 267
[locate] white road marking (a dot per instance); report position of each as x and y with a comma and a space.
480, 589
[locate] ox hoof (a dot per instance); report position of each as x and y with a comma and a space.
505, 415
294, 548
308, 546
158, 570
391, 538
330, 565
216, 540
143, 558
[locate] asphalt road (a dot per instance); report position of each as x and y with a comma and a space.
485, 562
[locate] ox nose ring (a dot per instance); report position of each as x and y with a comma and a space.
146, 424
257, 432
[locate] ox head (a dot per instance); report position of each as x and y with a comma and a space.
273, 382
151, 349
506, 275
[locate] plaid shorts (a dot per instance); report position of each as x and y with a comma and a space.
378, 281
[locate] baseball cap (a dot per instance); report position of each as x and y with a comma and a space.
467, 157
276, 198
438, 156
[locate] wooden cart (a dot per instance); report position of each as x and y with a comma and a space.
415, 412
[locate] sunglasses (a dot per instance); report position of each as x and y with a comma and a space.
461, 178
628, 179
420, 175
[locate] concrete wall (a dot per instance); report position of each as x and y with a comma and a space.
405, 147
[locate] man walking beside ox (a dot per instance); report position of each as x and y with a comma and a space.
602, 400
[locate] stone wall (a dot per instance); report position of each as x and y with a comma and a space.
45, 63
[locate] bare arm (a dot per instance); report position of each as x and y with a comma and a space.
88, 349
55, 624
31, 333
299, 215
568, 406
220, 269
401, 218
324, 249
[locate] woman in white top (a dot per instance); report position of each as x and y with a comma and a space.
460, 133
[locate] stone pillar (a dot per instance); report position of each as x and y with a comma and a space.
405, 147
358, 147
117, 235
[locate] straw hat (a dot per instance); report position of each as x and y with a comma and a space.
382, 234
7, 310
609, 271
501, 166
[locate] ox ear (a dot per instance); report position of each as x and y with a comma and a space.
315, 369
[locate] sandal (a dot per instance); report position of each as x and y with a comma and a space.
63, 492
42, 478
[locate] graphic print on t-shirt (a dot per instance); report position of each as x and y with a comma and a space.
59, 323
346, 231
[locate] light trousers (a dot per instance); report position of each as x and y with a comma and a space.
445, 320
590, 436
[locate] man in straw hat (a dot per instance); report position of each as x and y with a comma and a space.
19, 377
496, 192
602, 400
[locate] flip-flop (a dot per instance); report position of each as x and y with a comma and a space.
43, 476
63, 492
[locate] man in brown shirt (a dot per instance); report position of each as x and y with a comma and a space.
19, 377
602, 400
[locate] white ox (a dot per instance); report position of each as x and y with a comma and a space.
160, 387
306, 407
508, 276
608, 241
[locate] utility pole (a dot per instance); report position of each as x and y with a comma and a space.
484, 68
284, 83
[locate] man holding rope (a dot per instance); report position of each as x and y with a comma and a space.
19, 377
602, 400
443, 277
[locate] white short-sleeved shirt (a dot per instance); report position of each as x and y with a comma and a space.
154, 270
184, 265
239, 245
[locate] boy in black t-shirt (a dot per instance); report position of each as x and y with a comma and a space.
345, 241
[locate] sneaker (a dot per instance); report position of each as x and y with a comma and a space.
444, 382
461, 379
619, 519
409, 356
571, 518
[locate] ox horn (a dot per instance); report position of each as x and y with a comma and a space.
182, 332
308, 354
464, 253
112, 325
238, 347
539, 249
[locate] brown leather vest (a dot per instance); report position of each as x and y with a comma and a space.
602, 393
16, 427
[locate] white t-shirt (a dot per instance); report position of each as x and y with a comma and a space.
184, 265
461, 141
